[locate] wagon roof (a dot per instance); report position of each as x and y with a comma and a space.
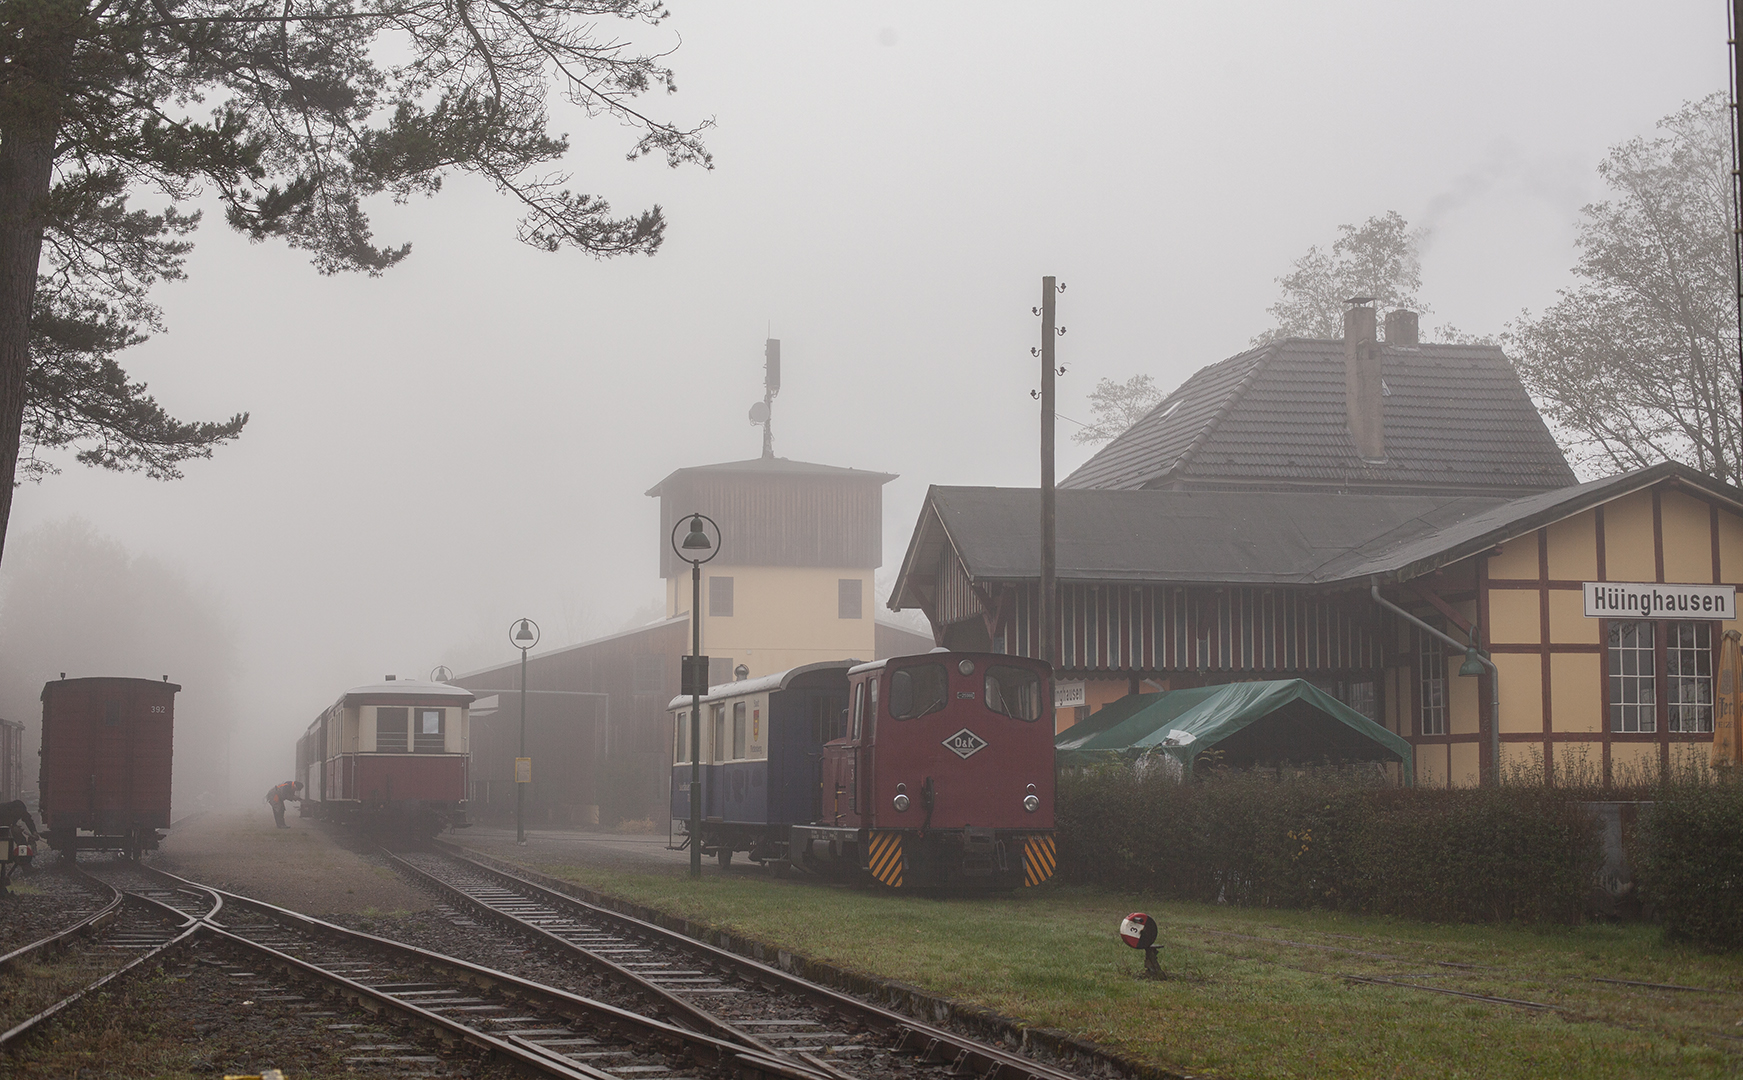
90, 682
780, 680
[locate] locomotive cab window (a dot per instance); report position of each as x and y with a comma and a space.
1013, 691
918, 690
428, 736
858, 711
390, 729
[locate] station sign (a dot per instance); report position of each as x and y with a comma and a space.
1068, 695
1657, 600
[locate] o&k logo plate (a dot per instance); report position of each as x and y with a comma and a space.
965, 743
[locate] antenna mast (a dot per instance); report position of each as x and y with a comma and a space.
761, 412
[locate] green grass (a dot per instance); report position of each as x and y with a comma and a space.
1256, 992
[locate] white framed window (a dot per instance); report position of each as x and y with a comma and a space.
1633, 678
738, 730
1431, 660
1688, 654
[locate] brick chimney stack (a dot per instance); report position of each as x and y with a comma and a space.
1362, 380
1401, 328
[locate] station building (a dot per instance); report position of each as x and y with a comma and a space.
1307, 508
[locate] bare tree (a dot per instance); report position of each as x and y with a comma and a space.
1637, 363
1377, 258
1116, 406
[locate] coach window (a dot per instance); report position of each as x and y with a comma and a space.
1014, 691
390, 733
715, 749
681, 739
738, 731
1633, 683
427, 737
917, 690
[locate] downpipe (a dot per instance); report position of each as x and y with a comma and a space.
1494, 680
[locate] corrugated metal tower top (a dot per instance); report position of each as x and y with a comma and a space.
1455, 418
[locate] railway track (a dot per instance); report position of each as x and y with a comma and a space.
124, 932
537, 1026
713, 990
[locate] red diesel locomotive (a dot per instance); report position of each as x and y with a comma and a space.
932, 771
390, 755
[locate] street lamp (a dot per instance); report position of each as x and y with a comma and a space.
691, 550
523, 634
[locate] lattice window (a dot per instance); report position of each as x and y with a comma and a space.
1431, 659
1633, 686
1688, 654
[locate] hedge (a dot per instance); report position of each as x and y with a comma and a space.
1687, 856
1517, 852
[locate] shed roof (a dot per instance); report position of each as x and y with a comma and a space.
1244, 537
1456, 419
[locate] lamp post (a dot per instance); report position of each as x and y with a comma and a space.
523, 634
696, 672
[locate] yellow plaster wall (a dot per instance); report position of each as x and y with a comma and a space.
1568, 624
1521, 692
1466, 765
1633, 762
1573, 548
1514, 617
1688, 539
1730, 546
1628, 551
1575, 696
1397, 684
782, 616
1687, 756
1523, 761
1431, 766
1518, 559
1579, 763
1461, 701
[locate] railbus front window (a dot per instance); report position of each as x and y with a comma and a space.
917, 690
390, 729
429, 738
1014, 691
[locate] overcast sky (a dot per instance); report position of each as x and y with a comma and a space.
467, 439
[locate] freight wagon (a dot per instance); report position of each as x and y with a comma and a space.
106, 750
392, 755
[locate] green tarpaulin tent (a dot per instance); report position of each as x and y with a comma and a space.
1248, 723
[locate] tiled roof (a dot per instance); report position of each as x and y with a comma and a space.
1456, 418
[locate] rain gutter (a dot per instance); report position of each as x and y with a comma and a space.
1469, 649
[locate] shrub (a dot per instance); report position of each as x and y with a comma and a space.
1687, 856
1521, 852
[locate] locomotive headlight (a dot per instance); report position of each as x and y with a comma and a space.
1031, 801
966, 667
900, 802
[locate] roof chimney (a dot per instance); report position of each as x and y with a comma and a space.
1362, 380
1401, 328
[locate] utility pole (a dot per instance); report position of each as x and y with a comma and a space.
1049, 604
1736, 44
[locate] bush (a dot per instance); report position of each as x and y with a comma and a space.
1687, 856
1520, 852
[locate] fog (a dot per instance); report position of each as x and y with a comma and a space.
467, 439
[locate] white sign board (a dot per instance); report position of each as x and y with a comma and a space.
1068, 695
1646, 600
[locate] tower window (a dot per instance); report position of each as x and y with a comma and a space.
720, 596
848, 602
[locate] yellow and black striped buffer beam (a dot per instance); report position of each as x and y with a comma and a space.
1039, 859
886, 858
